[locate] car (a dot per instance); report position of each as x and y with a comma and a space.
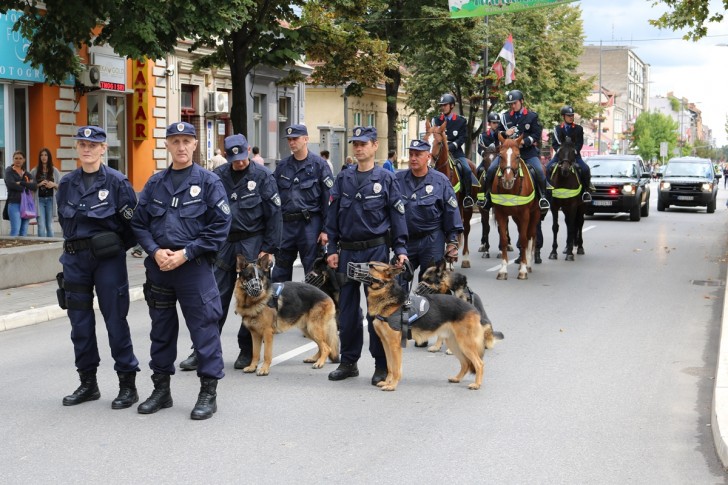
688, 182
622, 184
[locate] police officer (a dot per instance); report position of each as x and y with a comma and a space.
488, 143
366, 208
95, 208
570, 129
182, 220
304, 180
255, 230
457, 133
521, 121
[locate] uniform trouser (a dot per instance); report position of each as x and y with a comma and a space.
427, 251
110, 278
297, 237
351, 332
583, 167
534, 162
193, 286
467, 180
226, 276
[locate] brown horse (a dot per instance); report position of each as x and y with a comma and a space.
488, 157
513, 194
444, 163
566, 196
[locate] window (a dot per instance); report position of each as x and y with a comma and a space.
357, 119
372, 119
187, 97
258, 103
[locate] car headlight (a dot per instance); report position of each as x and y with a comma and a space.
628, 189
707, 187
664, 185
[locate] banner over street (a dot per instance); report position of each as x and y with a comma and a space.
483, 8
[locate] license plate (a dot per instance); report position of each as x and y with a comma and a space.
684, 197
603, 203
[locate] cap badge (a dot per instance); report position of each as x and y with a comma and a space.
180, 127
87, 132
357, 132
416, 143
289, 130
235, 150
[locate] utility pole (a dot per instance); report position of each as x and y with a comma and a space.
599, 89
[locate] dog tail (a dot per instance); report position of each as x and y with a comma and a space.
332, 338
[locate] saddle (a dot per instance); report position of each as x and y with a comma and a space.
401, 320
458, 168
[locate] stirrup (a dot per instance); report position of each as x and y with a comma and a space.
468, 202
543, 204
482, 203
586, 197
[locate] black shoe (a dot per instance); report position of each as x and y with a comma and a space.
190, 363
423, 344
243, 360
380, 375
206, 404
127, 391
161, 397
586, 197
468, 202
87, 391
344, 371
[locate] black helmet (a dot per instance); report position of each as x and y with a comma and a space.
446, 98
567, 110
513, 96
493, 117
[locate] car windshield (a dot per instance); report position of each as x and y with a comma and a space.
601, 167
686, 169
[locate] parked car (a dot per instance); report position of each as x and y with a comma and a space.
622, 184
688, 182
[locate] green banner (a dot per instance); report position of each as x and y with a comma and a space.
484, 8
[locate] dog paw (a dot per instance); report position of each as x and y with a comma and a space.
433, 348
453, 380
250, 369
316, 365
263, 371
309, 360
389, 388
448, 352
474, 386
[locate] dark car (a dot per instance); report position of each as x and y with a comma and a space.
688, 182
622, 184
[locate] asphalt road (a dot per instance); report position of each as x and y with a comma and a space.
605, 376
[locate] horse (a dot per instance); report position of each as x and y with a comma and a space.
444, 163
566, 195
513, 195
488, 157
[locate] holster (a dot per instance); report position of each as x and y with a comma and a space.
106, 244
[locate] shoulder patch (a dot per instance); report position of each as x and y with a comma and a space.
223, 205
329, 182
399, 206
276, 199
453, 202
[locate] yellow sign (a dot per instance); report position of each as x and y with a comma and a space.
140, 103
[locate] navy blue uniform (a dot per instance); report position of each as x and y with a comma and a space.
486, 139
363, 214
255, 209
432, 216
457, 135
196, 217
107, 205
304, 189
576, 133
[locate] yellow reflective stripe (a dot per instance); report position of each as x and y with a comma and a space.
456, 187
560, 193
512, 199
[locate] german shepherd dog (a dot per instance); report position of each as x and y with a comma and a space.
440, 279
448, 316
297, 305
325, 279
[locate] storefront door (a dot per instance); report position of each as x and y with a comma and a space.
108, 111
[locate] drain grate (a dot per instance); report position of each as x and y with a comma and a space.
707, 282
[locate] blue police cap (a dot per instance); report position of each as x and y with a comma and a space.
181, 128
294, 131
91, 133
236, 148
364, 133
420, 145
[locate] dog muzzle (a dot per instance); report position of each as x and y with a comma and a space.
424, 289
315, 279
359, 272
254, 286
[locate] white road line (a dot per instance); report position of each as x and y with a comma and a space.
292, 353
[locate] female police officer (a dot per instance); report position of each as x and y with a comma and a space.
95, 207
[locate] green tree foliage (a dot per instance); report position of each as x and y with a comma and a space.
690, 14
650, 129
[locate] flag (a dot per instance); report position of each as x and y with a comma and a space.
498, 69
508, 53
474, 66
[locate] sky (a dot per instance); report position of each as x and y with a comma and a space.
697, 71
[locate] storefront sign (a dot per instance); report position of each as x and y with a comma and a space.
13, 51
113, 71
140, 103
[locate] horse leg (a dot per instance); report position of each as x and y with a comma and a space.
555, 230
485, 223
502, 221
579, 231
467, 214
570, 233
525, 251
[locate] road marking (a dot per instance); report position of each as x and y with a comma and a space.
292, 353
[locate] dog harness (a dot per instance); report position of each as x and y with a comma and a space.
275, 291
403, 318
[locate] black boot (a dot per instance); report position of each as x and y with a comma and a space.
87, 391
161, 396
537, 257
207, 399
190, 363
380, 374
243, 360
127, 391
343, 371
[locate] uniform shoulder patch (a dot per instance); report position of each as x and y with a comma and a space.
276, 199
223, 205
329, 182
453, 202
399, 206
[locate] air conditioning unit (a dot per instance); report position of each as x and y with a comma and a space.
219, 102
90, 76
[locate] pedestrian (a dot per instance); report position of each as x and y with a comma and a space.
304, 181
366, 216
95, 208
574, 131
457, 135
47, 177
182, 220
725, 175
390, 161
325, 155
255, 231
18, 180
217, 159
256, 155
348, 163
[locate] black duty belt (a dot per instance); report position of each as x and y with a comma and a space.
359, 245
419, 235
71, 247
297, 216
236, 236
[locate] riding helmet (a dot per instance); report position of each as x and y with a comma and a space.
567, 110
446, 98
493, 117
514, 96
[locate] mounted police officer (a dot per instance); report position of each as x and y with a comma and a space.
521, 121
182, 221
488, 143
366, 216
95, 207
570, 129
304, 180
255, 230
457, 134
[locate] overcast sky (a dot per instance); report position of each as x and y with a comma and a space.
695, 70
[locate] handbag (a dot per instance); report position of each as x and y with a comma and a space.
27, 205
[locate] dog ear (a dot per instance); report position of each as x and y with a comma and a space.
264, 262
442, 266
242, 263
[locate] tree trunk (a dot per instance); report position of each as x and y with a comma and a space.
238, 74
391, 89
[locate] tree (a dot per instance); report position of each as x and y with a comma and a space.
693, 14
650, 129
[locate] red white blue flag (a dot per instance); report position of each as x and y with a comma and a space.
509, 55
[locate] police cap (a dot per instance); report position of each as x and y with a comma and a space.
493, 117
419, 145
181, 128
95, 134
236, 148
294, 131
364, 133
446, 98
514, 96
567, 110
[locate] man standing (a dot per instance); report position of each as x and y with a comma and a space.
389, 162
182, 220
217, 159
571, 130
457, 134
304, 180
255, 231
365, 217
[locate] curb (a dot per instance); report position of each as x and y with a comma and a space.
719, 413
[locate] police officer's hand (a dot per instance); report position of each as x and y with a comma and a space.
169, 260
451, 146
401, 258
333, 261
451, 252
323, 239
